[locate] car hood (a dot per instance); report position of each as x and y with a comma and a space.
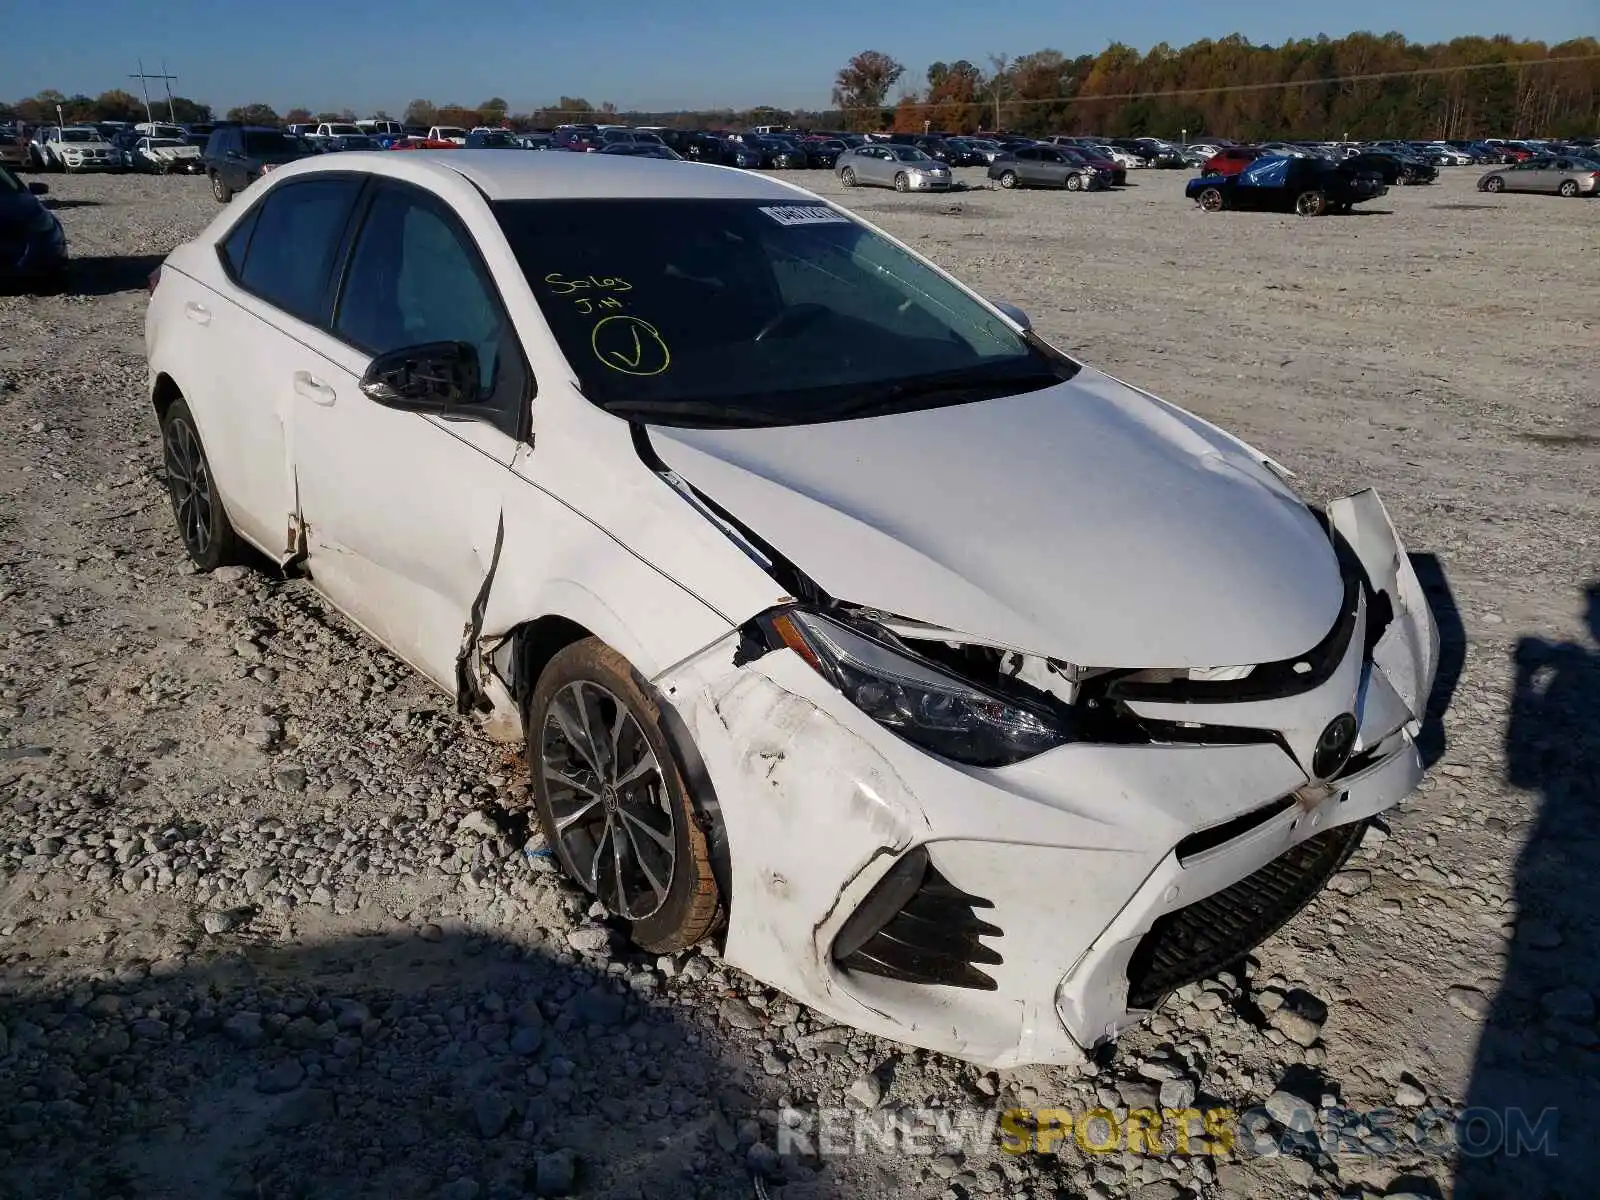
1087, 521
175, 151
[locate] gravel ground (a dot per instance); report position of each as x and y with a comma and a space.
269, 921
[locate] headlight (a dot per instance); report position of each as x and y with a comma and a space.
914, 697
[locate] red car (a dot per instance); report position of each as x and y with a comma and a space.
423, 143
1230, 161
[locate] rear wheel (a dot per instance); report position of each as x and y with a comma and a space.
1569, 187
902, 182
1311, 204
1008, 179
206, 531
1211, 199
847, 177
1495, 184
611, 801
220, 189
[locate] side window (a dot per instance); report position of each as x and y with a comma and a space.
297, 233
237, 244
414, 278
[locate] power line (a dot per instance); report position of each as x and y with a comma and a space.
144, 79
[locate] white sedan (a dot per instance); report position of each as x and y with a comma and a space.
974, 697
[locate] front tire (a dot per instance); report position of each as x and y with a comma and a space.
902, 182
1008, 179
847, 177
208, 535
1495, 184
1211, 200
611, 801
220, 188
1074, 183
1569, 188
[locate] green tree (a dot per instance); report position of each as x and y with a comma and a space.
119, 105
254, 114
421, 112
190, 112
494, 110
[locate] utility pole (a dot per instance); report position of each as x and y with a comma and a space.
144, 86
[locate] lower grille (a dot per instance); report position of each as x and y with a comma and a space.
918, 927
1196, 941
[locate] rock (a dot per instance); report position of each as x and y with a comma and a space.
282, 1076
1177, 1094
257, 878
290, 779
1209, 1001
465, 1188
1298, 1029
1351, 882
592, 939
1298, 1170
599, 1006
431, 933
527, 1039
221, 922
1138, 1093
1409, 1095
1469, 1001
1232, 1180
739, 1014
1162, 1189
865, 1090
1289, 1110
492, 1112
1158, 1070
245, 1027
1541, 935
1568, 1004
762, 1159
555, 1173
303, 1109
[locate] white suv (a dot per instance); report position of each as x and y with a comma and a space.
984, 698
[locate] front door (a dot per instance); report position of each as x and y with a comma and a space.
402, 509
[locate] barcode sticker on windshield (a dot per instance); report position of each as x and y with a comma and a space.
806, 214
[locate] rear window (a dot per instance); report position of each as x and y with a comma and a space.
269, 142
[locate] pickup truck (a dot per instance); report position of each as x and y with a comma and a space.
448, 133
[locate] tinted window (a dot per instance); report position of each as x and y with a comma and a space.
237, 244
297, 232
415, 278
269, 142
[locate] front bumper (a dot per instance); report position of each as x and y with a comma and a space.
931, 183
1066, 881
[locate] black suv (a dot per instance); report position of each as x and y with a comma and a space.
238, 155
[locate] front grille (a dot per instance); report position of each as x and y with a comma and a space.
1196, 941
918, 927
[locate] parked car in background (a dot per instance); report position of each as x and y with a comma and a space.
1045, 166
643, 150
351, 141
699, 146
448, 133
1231, 161
1555, 176
975, 152
1391, 168
775, 152
422, 143
904, 168
76, 148
581, 139
380, 127
824, 152
166, 156
492, 139
238, 155
33, 246
13, 147
1280, 183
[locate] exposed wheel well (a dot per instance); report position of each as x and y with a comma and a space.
534, 645
166, 391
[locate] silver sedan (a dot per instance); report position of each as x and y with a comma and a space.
904, 168
1558, 176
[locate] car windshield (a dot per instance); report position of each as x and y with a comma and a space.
270, 142
80, 135
162, 143
495, 141
755, 312
344, 130
450, 131
909, 154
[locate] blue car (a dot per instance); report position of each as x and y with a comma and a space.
33, 246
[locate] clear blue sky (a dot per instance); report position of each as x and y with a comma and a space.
332, 54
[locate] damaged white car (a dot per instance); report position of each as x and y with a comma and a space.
167, 156
980, 699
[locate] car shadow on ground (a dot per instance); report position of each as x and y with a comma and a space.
104, 275
1432, 742
62, 205
1536, 1079
389, 1065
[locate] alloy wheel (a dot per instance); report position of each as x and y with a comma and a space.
189, 484
613, 814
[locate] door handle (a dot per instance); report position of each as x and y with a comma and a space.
196, 312
312, 388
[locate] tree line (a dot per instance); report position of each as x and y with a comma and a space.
1361, 86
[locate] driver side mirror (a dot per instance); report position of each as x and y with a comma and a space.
430, 378
1015, 313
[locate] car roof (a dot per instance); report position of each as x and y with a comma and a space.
502, 176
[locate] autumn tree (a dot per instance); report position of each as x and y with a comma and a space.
457, 115
421, 112
298, 116
862, 85
120, 105
190, 112
494, 110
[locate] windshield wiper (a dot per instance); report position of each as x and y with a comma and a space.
662, 411
977, 383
